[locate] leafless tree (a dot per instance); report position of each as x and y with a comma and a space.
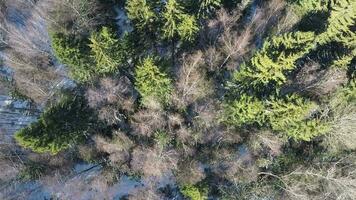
265, 141
112, 91
335, 180
118, 148
112, 97
192, 83
78, 17
153, 162
28, 49
190, 172
146, 122
233, 42
146, 193
233, 166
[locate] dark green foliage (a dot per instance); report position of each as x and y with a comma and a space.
207, 7
75, 54
32, 171
166, 20
178, 23
303, 7
314, 21
204, 8
103, 53
291, 116
62, 125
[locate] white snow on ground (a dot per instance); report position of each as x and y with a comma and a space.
14, 115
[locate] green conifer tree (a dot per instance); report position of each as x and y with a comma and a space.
342, 18
59, 127
172, 15
74, 54
276, 58
178, 23
246, 110
188, 27
302, 7
140, 12
106, 51
151, 82
207, 7
194, 193
292, 116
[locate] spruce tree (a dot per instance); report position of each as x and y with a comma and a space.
59, 127
151, 82
172, 15
140, 12
178, 23
292, 116
246, 110
188, 27
106, 51
207, 7
74, 54
303, 7
342, 18
194, 193
276, 58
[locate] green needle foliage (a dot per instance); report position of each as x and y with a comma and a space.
102, 53
162, 139
151, 82
74, 54
207, 7
193, 193
106, 50
172, 15
303, 7
140, 12
292, 116
177, 23
342, 18
269, 67
276, 58
62, 125
188, 28
246, 110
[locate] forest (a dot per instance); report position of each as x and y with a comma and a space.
178, 99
